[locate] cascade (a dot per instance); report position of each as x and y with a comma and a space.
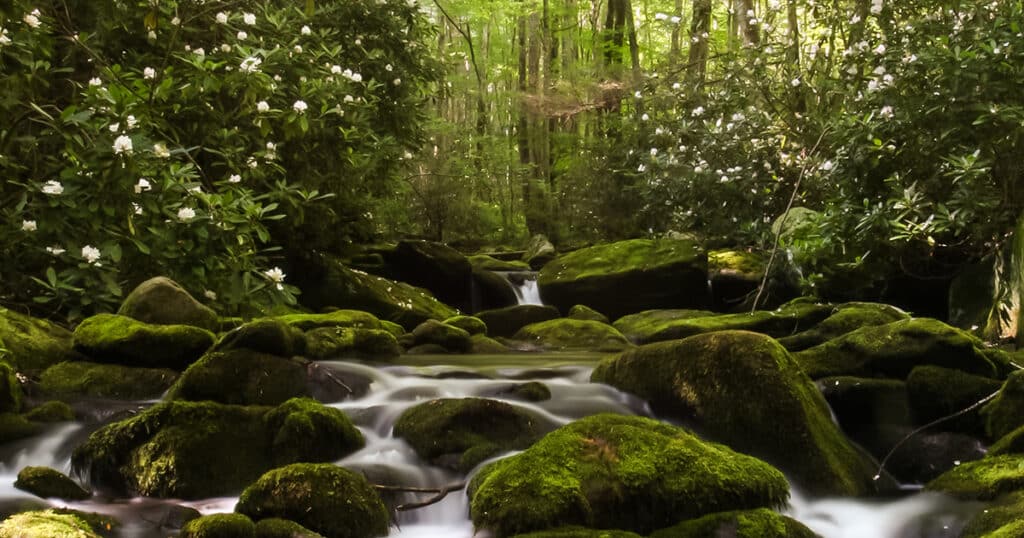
524, 283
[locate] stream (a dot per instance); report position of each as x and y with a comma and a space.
411, 380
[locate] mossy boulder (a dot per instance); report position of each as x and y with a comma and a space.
46, 524
219, 526
324, 498
451, 338
627, 277
735, 276
242, 377
30, 345
82, 378
506, 321
434, 266
49, 483
196, 450
1011, 443
1006, 412
11, 394
637, 327
984, 479
110, 338
575, 531
275, 527
1004, 518
356, 319
271, 336
935, 392
14, 426
585, 313
894, 349
745, 390
49, 412
618, 472
395, 329
845, 318
350, 342
861, 403
759, 523
161, 301
532, 391
539, 251
471, 324
573, 334
485, 344
491, 290
490, 263
461, 433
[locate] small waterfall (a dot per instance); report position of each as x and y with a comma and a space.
524, 283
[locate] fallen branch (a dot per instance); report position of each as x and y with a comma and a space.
439, 494
330, 376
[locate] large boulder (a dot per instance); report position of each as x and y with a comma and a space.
735, 276
461, 433
506, 321
196, 450
844, 318
1006, 412
161, 301
627, 277
573, 334
539, 251
271, 336
1003, 518
759, 523
491, 290
242, 377
31, 345
436, 333
935, 393
355, 319
745, 390
81, 378
349, 342
49, 483
437, 267
983, 480
324, 498
110, 338
487, 262
219, 526
46, 524
618, 472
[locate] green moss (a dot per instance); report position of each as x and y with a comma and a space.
488, 263
52, 411
534, 391
117, 339
242, 376
395, 329
46, 524
337, 318
102, 523
30, 345
1006, 412
471, 324
637, 326
584, 312
460, 433
506, 321
745, 390
46, 483
341, 342
894, 349
760, 523
486, 345
846, 318
10, 389
573, 334
578, 532
324, 498
219, 526
935, 392
271, 336
983, 479
1001, 519
736, 261
618, 472
282, 528
866, 403
447, 336
82, 378
1011, 443
14, 426
161, 301
306, 430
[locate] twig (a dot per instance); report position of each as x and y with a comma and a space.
330, 375
440, 493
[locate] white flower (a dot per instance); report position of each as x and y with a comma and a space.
335, 69
32, 19
210, 294
186, 214
300, 106
876, 7
224, 47
795, 82
397, 82
195, 189
242, 35
91, 254
149, 73
358, 41
151, 35
130, 122
250, 65
880, 70
249, 19
114, 127
122, 144
886, 112
56, 250
4, 40
660, 17
95, 81
201, 52
872, 85
305, 30
675, 20
654, 152
251, 162
143, 185
388, 68
276, 275
262, 106
880, 49
222, 18
136, 208
697, 112
676, 85
161, 151
827, 166
28, 225
175, 21
297, 49
642, 168
645, 117
234, 178
53, 187
349, 99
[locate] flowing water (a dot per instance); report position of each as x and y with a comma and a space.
524, 283
413, 380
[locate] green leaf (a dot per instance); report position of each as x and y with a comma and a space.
51, 276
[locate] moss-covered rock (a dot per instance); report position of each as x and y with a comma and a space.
30, 345
1004, 518
471, 324
491, 290
935, 392
573, 334
449, 337
271, 336
92, 379
507, 321
460, 433
894, 349
433, 266
219, 526
1011, 443
533, 391
627, 277
10, 389
324, 498
14, 426
52, 411
845, 318
49, 483
575, 531
395, 329
734, 276
618, 472
745, 390
1006, 412
539, 251
356, 319
46, 524
585, 313
161, 301
638, 326
243, 377
110, 338
275, 527
860, 403
203, 449
486, 345
305, 430
984, 479
349, 342
759, 523
490, 263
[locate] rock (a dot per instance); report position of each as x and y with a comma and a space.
427, 349
50, 412
491, 290
11, 394
975, 298
735, 276
507, 321
346, 342
110, 338
461, 433
533, 391
579, 532
745, 390
49, 483
862, 405
984, 479
395, 329
197, 450
46, 524
894, 349
472, 325
324, 498
618, 472
845, 318
33, 344
654, 326
628, 277
573, 334
452, 339
242, 377
490, 263
219, 526
1006, 412
486, 345
270, 336
935, 392
539, 251
356, 319
14, 426
1011, 443
282, 528
161, 301
1001, 519
925, 456
585, 313
433, 266
96, 380
759, 523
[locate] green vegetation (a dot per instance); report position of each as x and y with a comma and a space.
573, 334
984, 479
46, 523
760, 523
105, 380
46, 482
122, 340
219, 526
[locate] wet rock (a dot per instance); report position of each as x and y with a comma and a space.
1006, 412
11, 394
46, 523
161, 301
573, 334
243, 377
14, 426
925, 456
845, 318
983, 480
491, 290
1002, 518
282, 528
935, 392
533, 391
51, 412
270, 336
451, 338
324, 498
471, 324
745, 390
735, 276
486, 345
759, 523
1011, 443
34, 344
110, 338
490, 263
49, 483
351, 342
539, 251
71, 379
618, 472
356, 319
506, 321
579, 532
585, 313
434, 266
866, 403
219, 526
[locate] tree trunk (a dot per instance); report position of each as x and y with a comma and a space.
699, 35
